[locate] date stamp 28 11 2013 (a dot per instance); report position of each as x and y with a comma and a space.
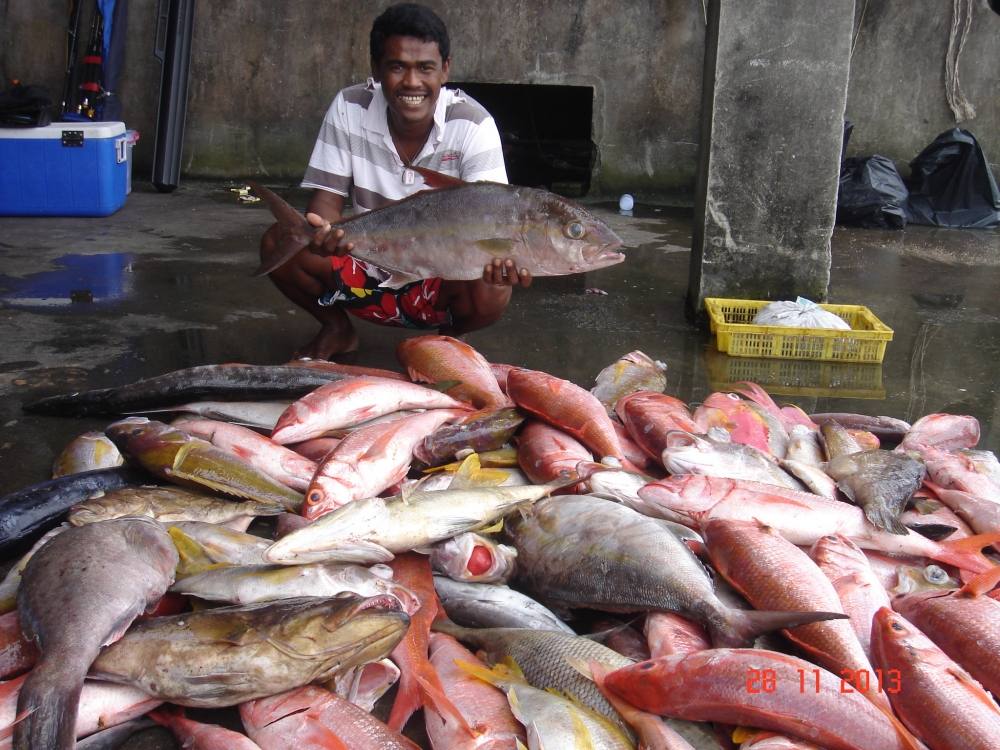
809, 681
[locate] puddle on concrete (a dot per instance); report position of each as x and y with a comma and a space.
77, 280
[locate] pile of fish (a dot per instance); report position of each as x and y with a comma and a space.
479, 555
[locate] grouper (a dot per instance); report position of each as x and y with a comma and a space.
451, 233
79, 592
225, 656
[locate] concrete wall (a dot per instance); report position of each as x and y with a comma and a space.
896, 98
262, 75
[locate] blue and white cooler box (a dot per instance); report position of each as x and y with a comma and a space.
64, 169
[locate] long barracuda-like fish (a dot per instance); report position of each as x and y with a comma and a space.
453, 232
231, 381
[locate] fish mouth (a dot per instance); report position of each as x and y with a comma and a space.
605, 255
381, 602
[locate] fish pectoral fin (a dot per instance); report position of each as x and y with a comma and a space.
398, 279
848, 491
361, 551
122, 625
498, 246
221, 679
494, 529
471, 474
455, 525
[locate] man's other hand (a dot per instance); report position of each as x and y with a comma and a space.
502, 272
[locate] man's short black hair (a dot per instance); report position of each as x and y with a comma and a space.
408, 19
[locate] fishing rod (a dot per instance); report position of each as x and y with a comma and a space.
72, 68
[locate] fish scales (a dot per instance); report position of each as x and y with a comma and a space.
545, 656
964, 627
775, 574
712, 685
935, 698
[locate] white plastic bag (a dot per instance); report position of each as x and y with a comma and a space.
801, 313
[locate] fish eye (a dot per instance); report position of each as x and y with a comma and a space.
314, 497
574, 230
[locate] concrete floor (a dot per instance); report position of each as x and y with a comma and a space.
165, 284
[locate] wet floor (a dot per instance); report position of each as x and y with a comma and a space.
165, 284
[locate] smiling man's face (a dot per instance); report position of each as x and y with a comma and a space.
412, 73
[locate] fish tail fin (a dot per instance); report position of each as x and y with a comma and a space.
433, 693
415, 690
407, 701
982, 583
883, 518
742, 626
758, 395
48, 706
967, 553
296, 234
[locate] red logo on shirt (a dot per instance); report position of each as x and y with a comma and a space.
450, 156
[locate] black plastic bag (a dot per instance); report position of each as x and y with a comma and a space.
951, 184
25, 107
871, 193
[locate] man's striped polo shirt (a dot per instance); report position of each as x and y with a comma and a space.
354, 152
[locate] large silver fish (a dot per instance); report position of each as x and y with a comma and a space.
580, 551
249, 584
375, 529
453, 232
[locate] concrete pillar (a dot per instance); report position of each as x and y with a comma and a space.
773, 101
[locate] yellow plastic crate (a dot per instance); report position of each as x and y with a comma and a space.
730, 320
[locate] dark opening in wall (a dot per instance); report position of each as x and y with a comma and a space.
545, 130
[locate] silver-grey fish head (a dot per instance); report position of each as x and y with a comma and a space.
487, 605
564, 237
690, 454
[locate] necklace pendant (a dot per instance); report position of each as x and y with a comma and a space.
409, 177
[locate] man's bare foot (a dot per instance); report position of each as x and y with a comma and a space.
330, 341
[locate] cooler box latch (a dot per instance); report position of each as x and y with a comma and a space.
121, 149
72, 138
